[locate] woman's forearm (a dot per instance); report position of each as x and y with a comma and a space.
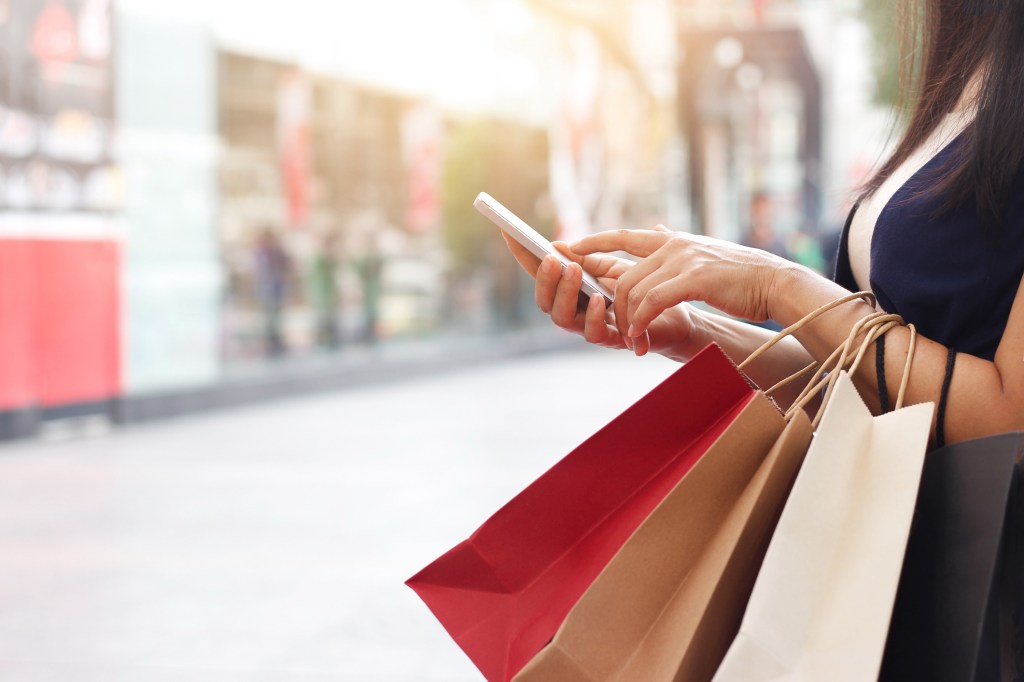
981, 401
739, 339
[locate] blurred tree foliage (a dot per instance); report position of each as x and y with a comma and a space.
506, 160
464, 174
882, 19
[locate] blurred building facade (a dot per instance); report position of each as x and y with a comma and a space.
181, 202
61, 192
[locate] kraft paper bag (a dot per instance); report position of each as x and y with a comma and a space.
502, 593
959, 608
822, 603
669, 603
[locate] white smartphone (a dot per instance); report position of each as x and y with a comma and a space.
515, 227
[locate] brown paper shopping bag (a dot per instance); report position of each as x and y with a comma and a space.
821, 606
669, 603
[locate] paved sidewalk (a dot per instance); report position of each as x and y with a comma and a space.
353, 367
269, 543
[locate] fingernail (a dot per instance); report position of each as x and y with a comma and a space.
632, 332
548, 265
594, 301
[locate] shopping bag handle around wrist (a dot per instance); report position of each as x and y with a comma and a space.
840, 357
874, 327
866, 296
879, 328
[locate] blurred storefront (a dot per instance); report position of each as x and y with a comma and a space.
171, 211
332, 215
60, 197
171, 278
614, 144
751, 113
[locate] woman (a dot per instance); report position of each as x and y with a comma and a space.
938, 235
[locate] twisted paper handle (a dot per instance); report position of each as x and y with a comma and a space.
826, 374
872, 326
867, 296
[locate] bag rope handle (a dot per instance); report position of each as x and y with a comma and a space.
911, 349
875, 326
878, 328
866, 296
875, 330
839, 359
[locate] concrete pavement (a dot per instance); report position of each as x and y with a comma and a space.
270, 543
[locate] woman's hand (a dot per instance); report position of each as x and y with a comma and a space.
557, 293
678, 267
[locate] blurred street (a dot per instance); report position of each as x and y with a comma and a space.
272, 542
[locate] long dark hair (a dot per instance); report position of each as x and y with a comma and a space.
945, 43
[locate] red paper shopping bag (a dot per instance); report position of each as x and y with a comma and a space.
502, 593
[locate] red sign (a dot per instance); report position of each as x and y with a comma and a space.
54, 39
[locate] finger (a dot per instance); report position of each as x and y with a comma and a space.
620, 313
598, 265
641, 292
658, 299
608, 283
640, 243
595, 324
564, 308
642, 344
624, 290
527, 261
548, 276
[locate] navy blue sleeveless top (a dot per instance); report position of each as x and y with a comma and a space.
945, 275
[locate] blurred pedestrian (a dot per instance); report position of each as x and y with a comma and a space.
323, 291
761, 235
271, 266
370, 268
761, 231
829, 244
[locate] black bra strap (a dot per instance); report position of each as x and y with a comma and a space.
883, 390
940, 419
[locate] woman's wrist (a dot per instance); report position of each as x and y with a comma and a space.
786, 281
689, 333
